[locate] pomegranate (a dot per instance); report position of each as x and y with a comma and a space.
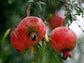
55, 21
29, 32
63, 40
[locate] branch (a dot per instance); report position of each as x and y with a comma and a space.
69, 11
79, 26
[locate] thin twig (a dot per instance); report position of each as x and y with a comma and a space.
80, 21
79, 26
28, 10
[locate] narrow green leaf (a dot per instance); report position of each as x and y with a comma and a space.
43, 3
40, 7
40, 55
5, 35
49, 17
46, 23
74, 17
66, 21
40, 43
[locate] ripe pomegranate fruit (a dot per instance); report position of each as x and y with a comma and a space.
29, 32
63, 40
55, 21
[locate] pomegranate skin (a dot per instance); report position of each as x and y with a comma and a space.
63, 39
17, 41
20, 36
55, 21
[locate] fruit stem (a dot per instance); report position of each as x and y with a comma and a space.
67, 54
33, 36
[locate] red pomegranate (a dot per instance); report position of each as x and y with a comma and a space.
55, 21
63, 40
29, 32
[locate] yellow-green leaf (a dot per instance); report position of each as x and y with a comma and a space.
5, 35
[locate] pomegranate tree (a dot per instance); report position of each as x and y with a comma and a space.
63, 40
29, 32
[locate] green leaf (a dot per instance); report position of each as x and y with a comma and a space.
49, 17
30, 1
73, 1
66, 21
40, 55
46, 23
39, 3
40, 43
24, 52
43, 3
70, 17
5, 35
40, 7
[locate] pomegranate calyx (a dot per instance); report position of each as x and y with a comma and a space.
33, 36
67, 54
